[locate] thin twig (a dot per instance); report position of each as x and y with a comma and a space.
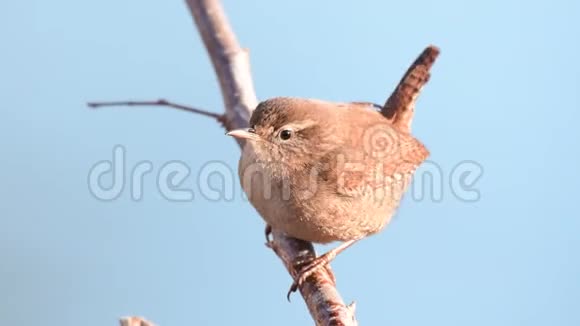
159, 102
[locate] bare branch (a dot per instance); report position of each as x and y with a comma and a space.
231, 63
232, 66
159, 102
400, 106
322, 298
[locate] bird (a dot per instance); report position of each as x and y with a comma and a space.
324, 171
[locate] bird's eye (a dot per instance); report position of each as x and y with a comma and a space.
286, 134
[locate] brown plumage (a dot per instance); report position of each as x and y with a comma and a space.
339, 176
322, 171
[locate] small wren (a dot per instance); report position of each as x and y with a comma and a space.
322, 171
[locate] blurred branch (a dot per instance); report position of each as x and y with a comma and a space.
135, 321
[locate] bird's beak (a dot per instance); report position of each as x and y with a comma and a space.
246, 133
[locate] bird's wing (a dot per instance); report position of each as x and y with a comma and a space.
383, 157
367, 105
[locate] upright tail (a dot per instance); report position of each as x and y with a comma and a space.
400, 105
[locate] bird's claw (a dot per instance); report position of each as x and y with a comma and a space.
307, 271
267, 233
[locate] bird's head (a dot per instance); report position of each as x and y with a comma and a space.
285, 130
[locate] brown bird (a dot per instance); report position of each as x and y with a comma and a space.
322, 171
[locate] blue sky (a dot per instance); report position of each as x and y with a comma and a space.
504, 94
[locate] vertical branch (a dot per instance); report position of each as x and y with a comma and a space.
230, 62
232, 66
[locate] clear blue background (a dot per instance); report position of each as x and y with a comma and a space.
504, 94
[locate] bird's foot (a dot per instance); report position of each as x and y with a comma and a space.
317, 263
267, 233
310, 268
